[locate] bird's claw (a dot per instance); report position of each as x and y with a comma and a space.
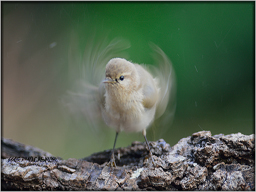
153, 162
112, 162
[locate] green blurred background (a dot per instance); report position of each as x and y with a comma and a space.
211, 46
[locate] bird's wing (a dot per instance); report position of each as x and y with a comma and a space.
148, 86
86, 94
165, 77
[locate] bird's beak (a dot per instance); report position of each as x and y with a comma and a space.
108, 80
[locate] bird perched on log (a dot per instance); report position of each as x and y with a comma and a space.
125, 95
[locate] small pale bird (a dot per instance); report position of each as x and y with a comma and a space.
129, 97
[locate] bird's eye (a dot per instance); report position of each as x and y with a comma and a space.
121, 78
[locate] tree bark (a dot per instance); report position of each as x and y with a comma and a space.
198, 162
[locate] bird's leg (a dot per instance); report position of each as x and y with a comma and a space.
150, 154
112, 162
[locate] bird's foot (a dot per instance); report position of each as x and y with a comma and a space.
112, 162
152, 160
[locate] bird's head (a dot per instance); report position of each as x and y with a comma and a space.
121, 75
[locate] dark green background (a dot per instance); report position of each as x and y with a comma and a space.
211, 46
